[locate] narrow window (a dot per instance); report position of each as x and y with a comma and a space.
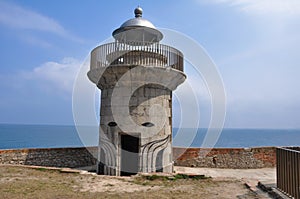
112, 124
148, 124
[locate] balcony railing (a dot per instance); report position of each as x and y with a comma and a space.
288, 171
145, 54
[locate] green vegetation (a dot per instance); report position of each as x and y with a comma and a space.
41, 169
174, 177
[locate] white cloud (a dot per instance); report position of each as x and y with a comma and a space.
283, 8
33, 40
57, 75
20, 18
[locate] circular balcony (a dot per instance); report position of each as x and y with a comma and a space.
136, 53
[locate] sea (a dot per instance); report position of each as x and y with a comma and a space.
17, 136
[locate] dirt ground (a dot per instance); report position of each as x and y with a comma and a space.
22, 182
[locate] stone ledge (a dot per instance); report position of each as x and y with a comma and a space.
237, 158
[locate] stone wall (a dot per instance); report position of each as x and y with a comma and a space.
52, 157
235, 158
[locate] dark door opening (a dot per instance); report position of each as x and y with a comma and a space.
129, 155
101, 164
159, 161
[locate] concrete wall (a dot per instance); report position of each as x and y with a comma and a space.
151, 139
237, 158
136, 100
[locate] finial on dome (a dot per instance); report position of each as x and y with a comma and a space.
136, 30
138, 12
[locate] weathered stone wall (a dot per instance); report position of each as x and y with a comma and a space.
235, 158
53, 157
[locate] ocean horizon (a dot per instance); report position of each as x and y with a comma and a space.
17, 136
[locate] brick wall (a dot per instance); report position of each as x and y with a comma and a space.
236, 158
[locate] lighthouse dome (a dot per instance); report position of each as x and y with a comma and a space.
137, 30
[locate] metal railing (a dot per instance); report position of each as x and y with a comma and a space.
137, 53
288, 170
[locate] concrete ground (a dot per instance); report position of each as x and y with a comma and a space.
267, 175
250, 177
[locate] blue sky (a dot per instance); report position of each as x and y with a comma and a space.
254, 43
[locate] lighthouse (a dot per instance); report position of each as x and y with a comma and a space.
136, 75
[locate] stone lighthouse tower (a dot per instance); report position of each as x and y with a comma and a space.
136, 75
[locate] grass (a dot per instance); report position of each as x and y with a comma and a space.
109, 185
25, 183
16, 182
42, 169
170, 181
174, 177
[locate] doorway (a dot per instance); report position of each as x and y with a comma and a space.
159, 161
101, 164
129, 154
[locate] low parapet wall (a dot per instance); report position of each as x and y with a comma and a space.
236, 158
52, 157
